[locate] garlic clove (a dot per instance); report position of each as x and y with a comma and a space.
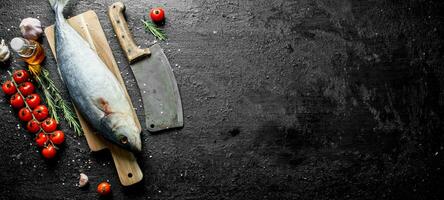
31, 28
4, 51
83, 180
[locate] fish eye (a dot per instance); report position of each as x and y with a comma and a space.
124, 140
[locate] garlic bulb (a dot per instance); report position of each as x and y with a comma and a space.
4, 51
83, 180
31, 28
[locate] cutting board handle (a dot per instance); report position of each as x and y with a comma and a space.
132, 52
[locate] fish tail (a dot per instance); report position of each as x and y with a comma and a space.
58, 5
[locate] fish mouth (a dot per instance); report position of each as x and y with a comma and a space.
133, 144
133, 147
137, 147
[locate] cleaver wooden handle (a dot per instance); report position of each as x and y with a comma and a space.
132, 52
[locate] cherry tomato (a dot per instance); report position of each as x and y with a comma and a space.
41, 139
157, 15
33, 100
26, 88
49, 152
57, 137
49, 125
20, 76
33, 126
17, 101
104, 188
9, 88
40, 112
25, 114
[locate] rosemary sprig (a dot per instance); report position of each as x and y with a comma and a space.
36, 72
48, 97
52, 106
157, 32
61, 104
54, 99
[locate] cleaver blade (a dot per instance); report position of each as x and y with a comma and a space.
158, 87
154, 76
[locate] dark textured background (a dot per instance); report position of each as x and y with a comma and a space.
283, 99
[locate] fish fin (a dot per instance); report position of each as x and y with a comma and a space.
60, 74
103, 105
58, 5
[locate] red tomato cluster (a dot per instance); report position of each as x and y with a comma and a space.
35, 114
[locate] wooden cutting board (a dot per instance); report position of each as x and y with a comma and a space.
88, 25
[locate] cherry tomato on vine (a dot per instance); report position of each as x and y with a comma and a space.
104, 188
49, 125
49, 152
17, 101
25, 114
26, 88
57, 137
20, 76
157, 15
41, 139
33, 126
40, 112
33, 100
9, 88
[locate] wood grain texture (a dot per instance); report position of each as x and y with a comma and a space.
123, 33
88, 25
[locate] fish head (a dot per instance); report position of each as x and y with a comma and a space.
124, 131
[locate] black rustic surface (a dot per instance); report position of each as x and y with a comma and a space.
309, 99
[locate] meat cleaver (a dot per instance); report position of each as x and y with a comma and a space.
154, 76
